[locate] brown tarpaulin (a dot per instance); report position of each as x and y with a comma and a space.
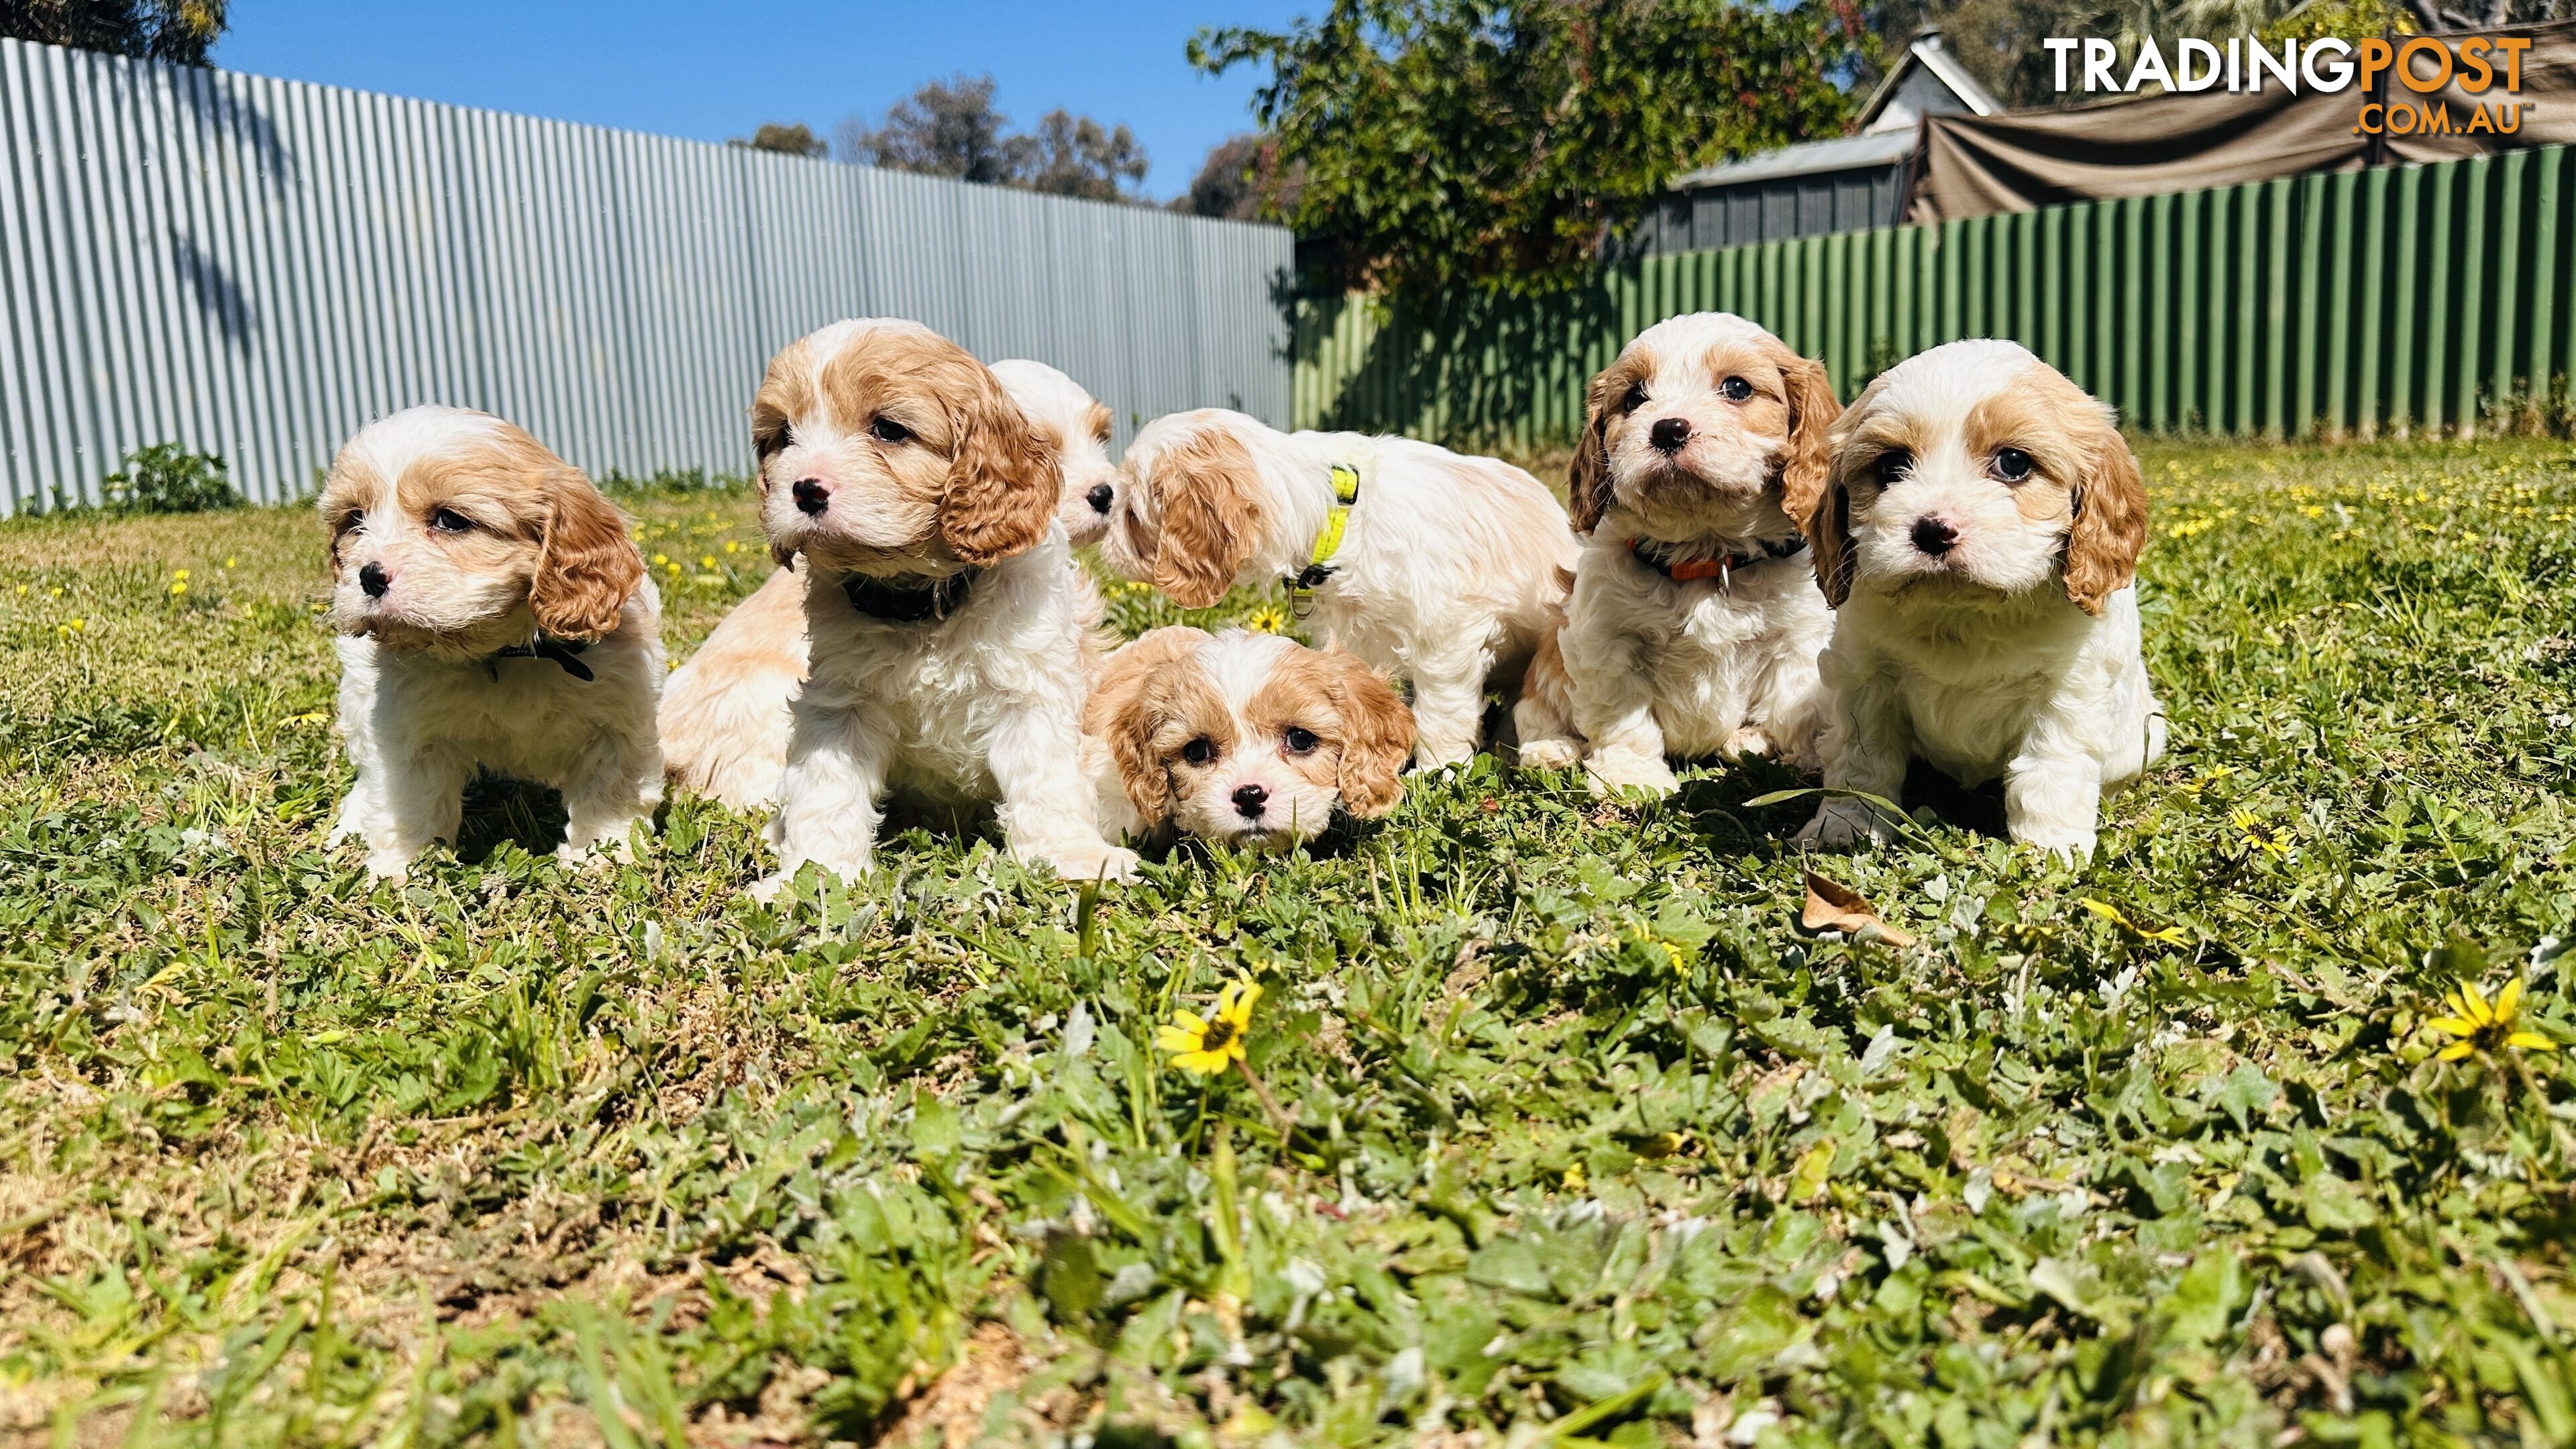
1977, 165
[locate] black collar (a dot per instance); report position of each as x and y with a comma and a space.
565, 652
910, 600
1650, 553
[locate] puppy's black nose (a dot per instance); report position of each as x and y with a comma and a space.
1100, 497
1669, 434
1250, 801
1934, 536
811, 496
375, 580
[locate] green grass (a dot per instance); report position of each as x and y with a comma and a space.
1589, 1143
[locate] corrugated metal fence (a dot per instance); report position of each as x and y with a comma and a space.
2425, 299
256, 268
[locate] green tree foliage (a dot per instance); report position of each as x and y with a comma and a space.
1240, 181
178, 30
1496, 141
952, 128
788, 139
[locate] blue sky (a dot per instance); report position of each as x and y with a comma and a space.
709, 71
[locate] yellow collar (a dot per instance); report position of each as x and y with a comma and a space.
1319, 560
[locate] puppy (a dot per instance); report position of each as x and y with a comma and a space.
1694, 623
1431, 567
947, 626
1242, 737
1077, 427
493, 615
1978, 535
724, 713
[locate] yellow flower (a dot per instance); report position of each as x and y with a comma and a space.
2483, 1028
1574, 1179
2259, 833
661, 558
229, 562
733, 545
708, 563
1268, 619
180, 587
1208, 1046
180, 574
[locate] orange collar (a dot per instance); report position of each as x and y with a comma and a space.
1647, 551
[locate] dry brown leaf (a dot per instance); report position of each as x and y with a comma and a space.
1833, 907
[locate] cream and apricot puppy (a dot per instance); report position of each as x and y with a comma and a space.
947, 627
1434, 568
1695, 621
493, 615
724, 712
1242, 737
1077, 426
1978, 537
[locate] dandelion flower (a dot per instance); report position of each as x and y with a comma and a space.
660, 559
2485, 1029
733, 545
708, 563
1209, 1045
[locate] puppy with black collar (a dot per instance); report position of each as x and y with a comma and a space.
948, 630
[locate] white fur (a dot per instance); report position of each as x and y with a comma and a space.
1982, 666
1449, 566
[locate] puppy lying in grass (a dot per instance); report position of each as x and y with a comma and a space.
493, 615
1978, 537
1437, 568
1241, 737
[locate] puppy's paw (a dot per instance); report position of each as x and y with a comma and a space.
1098, 860
595, 855
1625, 771
765, 890
391, 862
1550, 754
1428, 756
1842, 824
1746, 741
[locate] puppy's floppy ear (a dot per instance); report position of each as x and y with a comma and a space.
1377, 737
1121, 711
1211, 513
1003, 477
2109, 529
587, 567
1587, 479
784, 389
1829, 542
1807, 459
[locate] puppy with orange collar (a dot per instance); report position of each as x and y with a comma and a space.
1695, 620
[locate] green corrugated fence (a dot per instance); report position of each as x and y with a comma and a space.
2419, 299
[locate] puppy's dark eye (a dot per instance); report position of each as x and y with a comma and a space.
1200, 751
448, 520
1736, 389
887, 430
352, 521
1634, 398
1893, 464
1299, 740
2012, 464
